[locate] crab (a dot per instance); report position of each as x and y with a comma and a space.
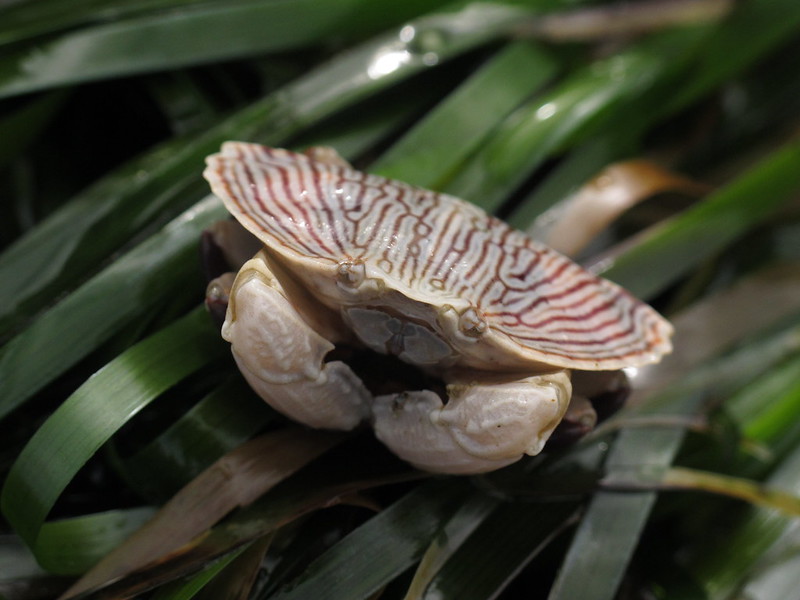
348, 259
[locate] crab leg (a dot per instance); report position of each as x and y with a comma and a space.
487, 422
279, 338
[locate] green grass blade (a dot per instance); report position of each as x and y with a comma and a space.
327, 482
141, 281
618, 518
767, 408
396, 537
204, 33
72, 546
22, 20
237, 479
226, 418
674, 248
566, 114
60, 250
508, 540
764, 23
194, 585
722, 568
448, 134
474, 509
89, 417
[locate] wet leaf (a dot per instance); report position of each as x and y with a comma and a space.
237, 479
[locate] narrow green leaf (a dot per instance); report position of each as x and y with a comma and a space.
675, 247
185, 590
89, 417
331, 482
72, 546
500, 548
356, 132
618, 518
220, 422
396, 539
721, 568
764, 23
473, 511
20, 20
566, 114
59, 251
130, 287
754, 492
204, 33
767, 408
450, 132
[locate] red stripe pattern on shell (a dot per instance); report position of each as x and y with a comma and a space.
437, 248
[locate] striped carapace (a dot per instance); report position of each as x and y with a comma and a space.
423, 276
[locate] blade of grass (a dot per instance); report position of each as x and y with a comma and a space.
328, 484
450, 132
466, 518
765, 23
779, 577
72, 546
194, 585
772, 425
618, 518
236, 479
682, 478
21, 20
397, 538
720, 321
567, 114
87, 419
673, 248
503, 544
722, 568
129, 288
221, 421
195, 35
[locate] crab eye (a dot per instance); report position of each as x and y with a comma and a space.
351, 273
471, 323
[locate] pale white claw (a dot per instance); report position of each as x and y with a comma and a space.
282, 357
485, 424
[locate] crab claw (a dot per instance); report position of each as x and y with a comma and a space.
485, 424
283, 357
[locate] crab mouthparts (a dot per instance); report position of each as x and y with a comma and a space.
410, 341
